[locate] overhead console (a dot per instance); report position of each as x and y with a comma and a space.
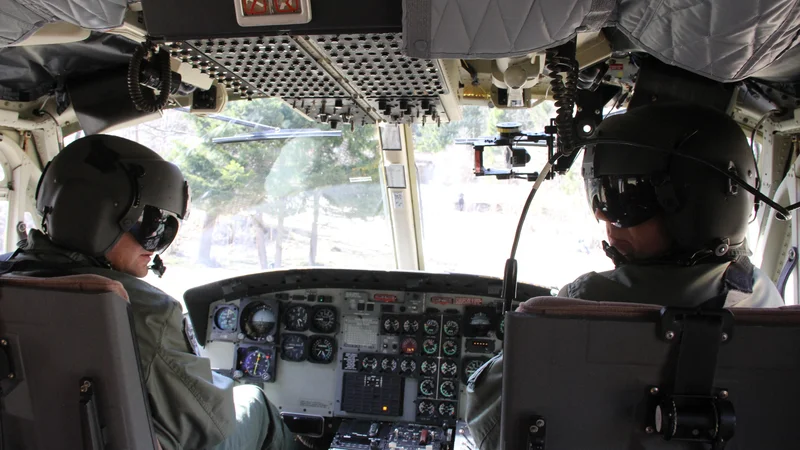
382, 357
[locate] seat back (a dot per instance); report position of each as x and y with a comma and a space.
586, 369
75, 380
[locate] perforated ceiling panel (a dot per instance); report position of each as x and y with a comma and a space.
362, 77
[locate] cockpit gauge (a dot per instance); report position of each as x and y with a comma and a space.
480, 322
296, 318
501, 328
471, 366
369, 364
427, 387
431, 327
450, 347
293, 347
408, 346
321, 349
411, 326
408, 366
226, 318
429, 367
449, 369
257, 364
258, 320
323, 319
391, 325
430, 346
447, 389
389, 364
451, 327
426, 408
447, 409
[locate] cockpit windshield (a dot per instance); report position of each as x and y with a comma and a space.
272, 189
469, 222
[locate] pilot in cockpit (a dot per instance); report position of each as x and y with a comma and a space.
676, 228
108, 206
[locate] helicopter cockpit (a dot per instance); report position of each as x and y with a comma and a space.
377, 187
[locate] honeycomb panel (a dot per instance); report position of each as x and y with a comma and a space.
267, 66
375, 64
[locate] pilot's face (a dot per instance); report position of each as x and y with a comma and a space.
646, 240
128, 256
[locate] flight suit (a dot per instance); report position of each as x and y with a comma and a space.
670, 285
192, 407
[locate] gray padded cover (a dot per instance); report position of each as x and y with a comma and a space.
726, 40
20, 18
56, 339
590, 378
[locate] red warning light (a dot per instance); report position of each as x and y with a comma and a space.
286, 6
255, 7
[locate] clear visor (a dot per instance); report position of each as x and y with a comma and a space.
156, 229
624, 201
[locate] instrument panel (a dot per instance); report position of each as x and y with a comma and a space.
354, 353
410, 353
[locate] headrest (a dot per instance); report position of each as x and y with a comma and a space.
571, 307
75, 283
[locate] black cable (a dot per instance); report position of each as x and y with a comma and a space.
780, 209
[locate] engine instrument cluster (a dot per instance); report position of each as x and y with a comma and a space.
402, 358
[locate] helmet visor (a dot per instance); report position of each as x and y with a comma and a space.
156, 229
624, 201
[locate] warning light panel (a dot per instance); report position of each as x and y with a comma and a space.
261, 13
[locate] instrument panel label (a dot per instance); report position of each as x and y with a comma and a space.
441, 300
468, 301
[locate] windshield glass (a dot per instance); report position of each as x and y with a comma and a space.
262, 199
469, 222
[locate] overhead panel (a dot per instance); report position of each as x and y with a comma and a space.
337, 79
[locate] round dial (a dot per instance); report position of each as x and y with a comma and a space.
481, 323
449, 369
411, 326
293, 347
430, 346
451, 327
426, 408
471, 367
256, 364
448, 389
447, 410
296, 318
427, 387
429, 366
391, 325
408, 366
408, 346
321, 349
226, 317
431, 327
369, 363
259, 321
450, 347
324, 319
389, 364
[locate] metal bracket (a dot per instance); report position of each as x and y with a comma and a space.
537, 432
788, 267
670, 326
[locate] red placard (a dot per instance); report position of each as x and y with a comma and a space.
385, 298
441, 300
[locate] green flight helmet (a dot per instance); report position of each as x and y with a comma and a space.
704, 210
101, 186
